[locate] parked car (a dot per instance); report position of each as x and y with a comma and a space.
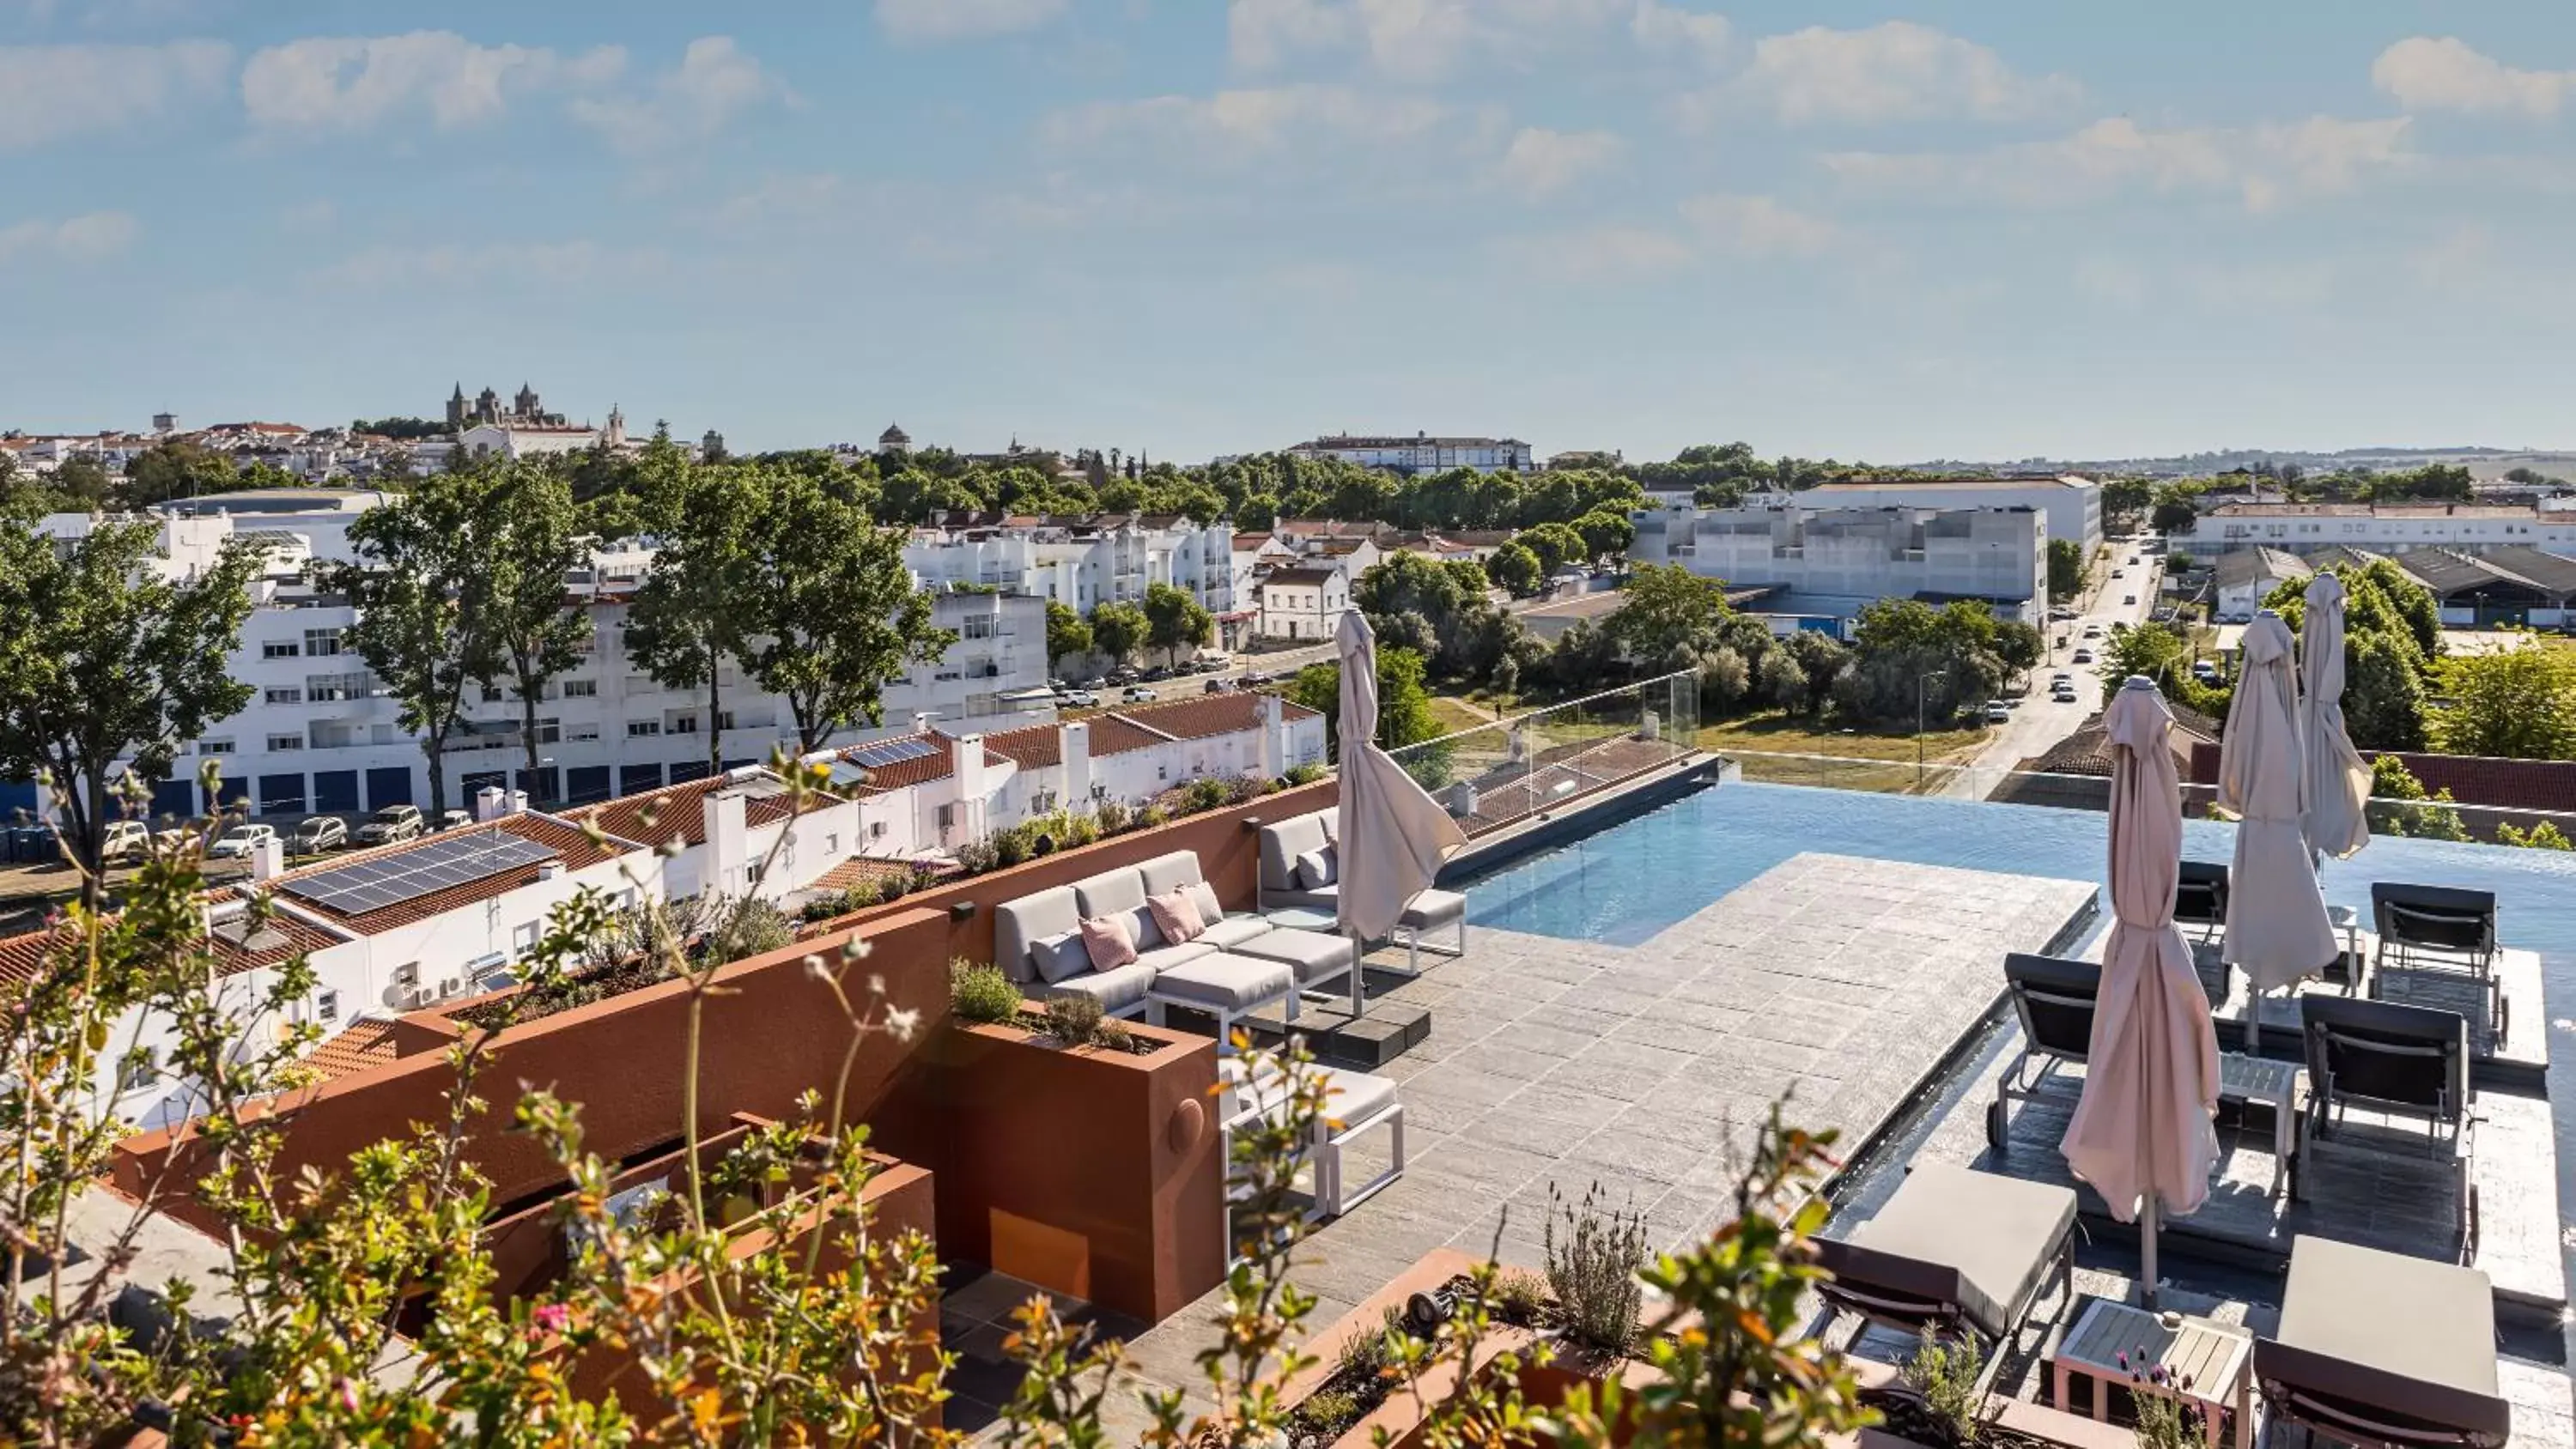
125, 839
455, 819
1217, 686
2063, 694
2083, 656
319, 833
2133, 558
1251, 677
1138, 694
390, 824
1122, 675
1058, 685
2092, 631
2061, 677
240, 841
1083, 699
1998, 712
2205, 670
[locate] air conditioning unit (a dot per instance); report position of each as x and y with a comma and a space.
404, 989
450, 987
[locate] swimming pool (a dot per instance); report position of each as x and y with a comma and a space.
1634, 879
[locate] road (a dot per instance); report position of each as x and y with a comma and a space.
2040, 722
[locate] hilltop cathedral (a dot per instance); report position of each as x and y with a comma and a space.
525, 410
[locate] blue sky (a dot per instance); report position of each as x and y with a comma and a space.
1877, 231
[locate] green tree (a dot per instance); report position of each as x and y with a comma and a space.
421, 582
1606, 535
2174, 510
2128, 498
105, 656
176, 468
535, 542
2065, 569
84, 481
2515, 703
831, 613
691, 612
1515, 569
1175, 620
2544, 836
1068, 637
1403, 705
1119, 630
1911, 659
1556, 545
1443, 610
2392, 636
1668, 617
2020, 646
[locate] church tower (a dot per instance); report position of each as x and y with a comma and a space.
456, 409
616, 437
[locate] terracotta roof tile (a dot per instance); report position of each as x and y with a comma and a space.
861, 868
907, 772
1209, 714
280, 938
1031, 747
368, 1042
679, 810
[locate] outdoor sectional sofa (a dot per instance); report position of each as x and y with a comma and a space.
1239, 963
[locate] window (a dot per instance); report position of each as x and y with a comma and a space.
684, 724
549, 731
581, 689
831, 845
279, 743
214, 747
637, 729
491, 695
724, 719
279, 649
319, 642
138, 1070
285, 696
322, 688
524, 939
948, 816
979, 626
326, 1006
581, 732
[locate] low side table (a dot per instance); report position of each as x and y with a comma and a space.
2263, 1082
2214, 1356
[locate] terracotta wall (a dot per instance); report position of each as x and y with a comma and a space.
1096, 1174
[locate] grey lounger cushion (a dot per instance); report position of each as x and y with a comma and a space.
1164, 958
1431, 910
1281, 844
1116, 989
1316, 955
1349, 1096
1233, 983
1982, 1242
1234, 930
1019, 925
2389, 1337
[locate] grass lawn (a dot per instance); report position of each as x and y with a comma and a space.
1759, 741
1452, 715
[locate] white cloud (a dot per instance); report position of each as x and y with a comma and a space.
85, 238
1759, 226
52, 92
2266, 165
1539, 163
1242, 124
2463, 254
922, 21
1418, 40
354, 83
716, 82
499, 264
1896, 71
1672, 30
2425, 74
1609, 253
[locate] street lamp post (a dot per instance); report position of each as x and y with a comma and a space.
1919, 681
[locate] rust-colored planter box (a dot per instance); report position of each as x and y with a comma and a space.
1094, 1173
2036, 1420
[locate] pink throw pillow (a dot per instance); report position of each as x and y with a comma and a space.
1176, 915
1106, 940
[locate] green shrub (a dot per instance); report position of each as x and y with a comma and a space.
1010, 847
978, 856
1074, 1018
1328, 1414
1303, 774
1593, 1271
746, 928
1520, 1296
1944, 1375
1113, 816
1204, 795
980, 991
1151, 817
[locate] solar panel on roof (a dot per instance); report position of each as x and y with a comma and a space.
894, 752
435, 865
845, 773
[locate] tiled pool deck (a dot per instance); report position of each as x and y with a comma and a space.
1841, 981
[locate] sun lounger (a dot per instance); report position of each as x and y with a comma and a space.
2378, 1348
1955, 1252
2409, 1061
2200, 897
2443, 927
2052, 997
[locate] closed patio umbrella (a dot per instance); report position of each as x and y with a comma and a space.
1392, 834
2338, 781
2277, 928
2141, 1135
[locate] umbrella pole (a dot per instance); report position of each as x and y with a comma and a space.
1359, 976
2253, 1019
2147, 1253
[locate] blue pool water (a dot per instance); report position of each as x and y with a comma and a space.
1631, 881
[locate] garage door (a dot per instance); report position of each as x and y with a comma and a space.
335, 792
281, 794
638, 779
388, 786
587, 784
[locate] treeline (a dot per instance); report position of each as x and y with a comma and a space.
2171, 506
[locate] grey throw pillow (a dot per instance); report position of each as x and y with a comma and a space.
1315, 869
1209, 911
1060, 956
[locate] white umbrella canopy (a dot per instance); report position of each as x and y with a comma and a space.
2141, 1135
2338, 782
2277, 928
1392, 834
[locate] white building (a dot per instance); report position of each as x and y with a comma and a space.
1832, 561
2244, 577
529, 440
1421, 453
2073, 504
1305, 601
1080, 563
322, 736
2374, 527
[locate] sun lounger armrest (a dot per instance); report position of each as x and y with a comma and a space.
2398, 1409
1889, 1285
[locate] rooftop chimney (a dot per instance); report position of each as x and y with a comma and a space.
967, 766
1073, 742
518, 803
268, 858
491, 803
726, 867
1273, 721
